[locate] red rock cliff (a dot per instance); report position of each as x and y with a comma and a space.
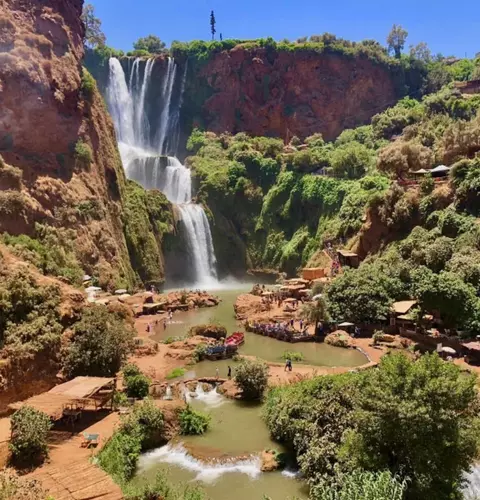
44, 113
292, 93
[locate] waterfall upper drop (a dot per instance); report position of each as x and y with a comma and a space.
144, 135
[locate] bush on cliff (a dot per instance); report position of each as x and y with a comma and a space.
364, 421
252, 378
29, 435
99, 345
83, 152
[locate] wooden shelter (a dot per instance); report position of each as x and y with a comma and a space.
81, 391
348, 258
312, 273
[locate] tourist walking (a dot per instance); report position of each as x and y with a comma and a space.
288, 365
216, 373
229, 372
164, 324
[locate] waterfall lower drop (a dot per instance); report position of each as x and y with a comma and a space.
206, 472
141, 158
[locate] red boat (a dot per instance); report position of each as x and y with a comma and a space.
236, 339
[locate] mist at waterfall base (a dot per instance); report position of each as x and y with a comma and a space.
146, 119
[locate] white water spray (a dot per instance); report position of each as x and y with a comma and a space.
205, 471
212, 398
141, 160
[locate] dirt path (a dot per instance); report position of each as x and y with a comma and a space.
69, 473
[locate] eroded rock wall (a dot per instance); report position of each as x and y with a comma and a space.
46, 113
281, 93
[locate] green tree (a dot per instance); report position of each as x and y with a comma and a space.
137, 386
362, 295
99, 345
396, 40
94, 36
351, 160
421, 52
447, 293
252, 378
29, 435
418, 419
212, 24
151, 44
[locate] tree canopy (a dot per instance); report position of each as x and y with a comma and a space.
396, 40
94, 36
151, 44
416, 419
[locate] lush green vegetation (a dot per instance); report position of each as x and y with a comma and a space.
360, 485
175, 373
417, 419
30, 319
425, 241
292, 356
252, 378
30, 428
140, 430
50, 249
99, 345
147, 218
161, 488
193, 422
136, 383
83, 152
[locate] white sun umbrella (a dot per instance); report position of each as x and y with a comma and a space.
120, 291
91, 289
346, 323
317, 297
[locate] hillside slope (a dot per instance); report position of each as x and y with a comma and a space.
62, 176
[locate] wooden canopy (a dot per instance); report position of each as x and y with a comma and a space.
54, 401
403, 306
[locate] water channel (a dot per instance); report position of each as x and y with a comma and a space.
255, 345
225, 460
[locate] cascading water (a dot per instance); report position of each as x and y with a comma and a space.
141, 147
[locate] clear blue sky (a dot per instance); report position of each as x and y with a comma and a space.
449, 27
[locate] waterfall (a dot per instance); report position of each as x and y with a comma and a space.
167, 99
127, 100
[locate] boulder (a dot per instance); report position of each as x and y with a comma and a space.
269, 461
211, 331
339, 338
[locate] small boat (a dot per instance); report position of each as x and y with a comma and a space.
236, 339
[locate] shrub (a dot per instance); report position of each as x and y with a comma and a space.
139, 431
88, 84
176, 372
83, 152
252, 378
161, 488
193, 422
99, 346
130, 370
360, 484
29, 435
137, 386
292, 355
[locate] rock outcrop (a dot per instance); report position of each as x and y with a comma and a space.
284, 93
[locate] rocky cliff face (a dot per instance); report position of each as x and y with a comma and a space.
57, 135
280, 93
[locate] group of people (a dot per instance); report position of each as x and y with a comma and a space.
285, 327
164, 322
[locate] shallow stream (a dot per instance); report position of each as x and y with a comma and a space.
225, 460
266, 348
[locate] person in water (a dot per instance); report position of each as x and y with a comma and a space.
216, 373
229, 371
288, 365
